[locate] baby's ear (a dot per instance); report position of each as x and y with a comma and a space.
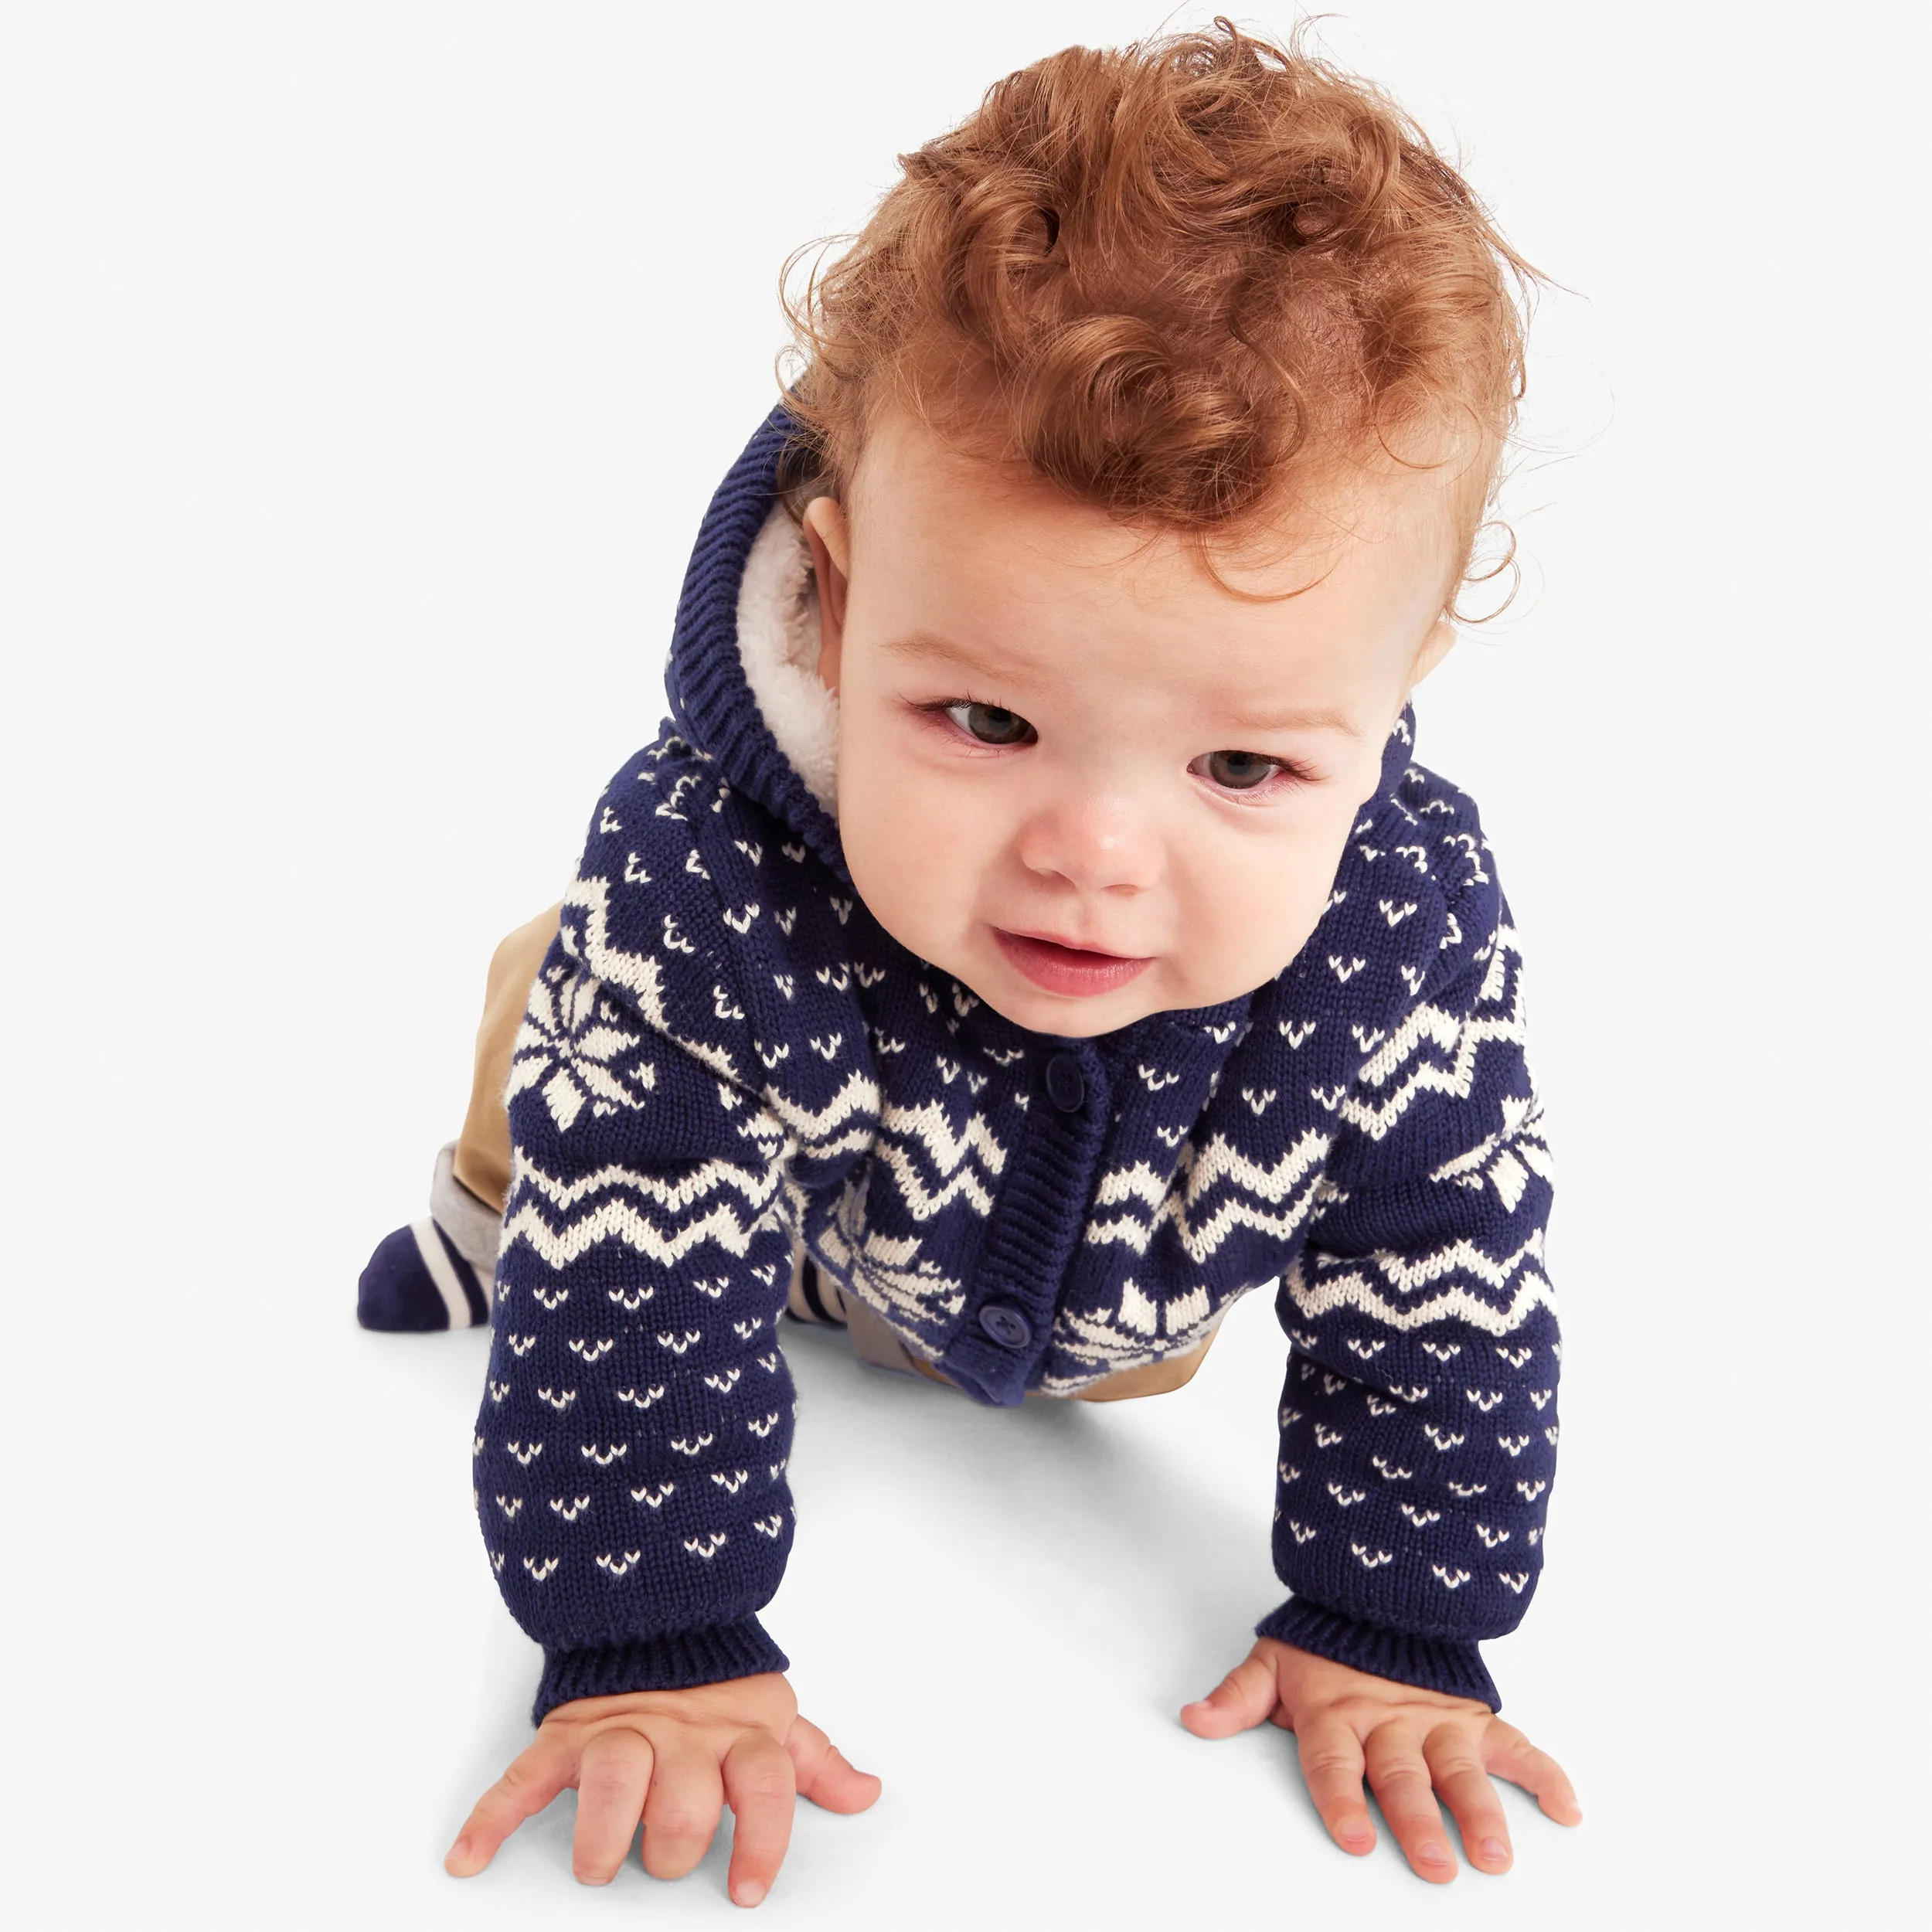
1435, 647
830, 537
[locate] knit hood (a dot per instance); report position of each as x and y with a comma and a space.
743, 678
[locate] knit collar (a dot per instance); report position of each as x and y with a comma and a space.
742, 678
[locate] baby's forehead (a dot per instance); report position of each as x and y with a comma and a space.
1412, 507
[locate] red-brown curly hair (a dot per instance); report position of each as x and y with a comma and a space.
1174, 278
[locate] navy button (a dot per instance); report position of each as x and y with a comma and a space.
1006, 1325
1064, 1087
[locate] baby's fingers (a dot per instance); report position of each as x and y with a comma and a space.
759, 1787
681, 1814
1510, 1754
1332, 1762
1462, 1784
611, 1782
1241, 1700
823, 1774
531, 1782
1399, 1778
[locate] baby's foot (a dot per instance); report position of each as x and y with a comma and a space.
813, 1297
437, 1272
415, 1280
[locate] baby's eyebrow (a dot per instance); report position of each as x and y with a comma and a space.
926, 643
1324, 720
928, 646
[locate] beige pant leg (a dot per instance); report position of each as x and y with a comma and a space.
1152, 1378
482, 1157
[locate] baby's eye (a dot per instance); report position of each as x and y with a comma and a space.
991, 724
1237, 770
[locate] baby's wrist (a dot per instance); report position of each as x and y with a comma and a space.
1451, 1666
673, 1660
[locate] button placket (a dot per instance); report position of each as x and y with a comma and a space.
1041, 1219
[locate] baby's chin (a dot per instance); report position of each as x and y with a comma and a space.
1068, 1018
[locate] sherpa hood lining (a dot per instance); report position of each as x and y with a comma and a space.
778, 646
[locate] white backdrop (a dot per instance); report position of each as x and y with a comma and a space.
364, 369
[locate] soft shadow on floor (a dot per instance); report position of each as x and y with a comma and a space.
1132, 1508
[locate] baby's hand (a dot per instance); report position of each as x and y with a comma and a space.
1415, 1746
674, 1758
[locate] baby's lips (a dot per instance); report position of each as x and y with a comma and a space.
1057, 968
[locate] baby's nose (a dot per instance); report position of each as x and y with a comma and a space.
1097, 844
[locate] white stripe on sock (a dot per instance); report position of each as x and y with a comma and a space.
429, 1244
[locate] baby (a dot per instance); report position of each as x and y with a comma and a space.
1029, 934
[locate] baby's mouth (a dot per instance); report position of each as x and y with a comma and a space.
1057, 968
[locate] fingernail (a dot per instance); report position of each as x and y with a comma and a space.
1355, 1834
1495, 1851
1434, 1855
747, 1892
460, 1849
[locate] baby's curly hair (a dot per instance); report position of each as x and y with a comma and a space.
1173, 278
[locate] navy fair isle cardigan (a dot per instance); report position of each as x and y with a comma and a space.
723, 1051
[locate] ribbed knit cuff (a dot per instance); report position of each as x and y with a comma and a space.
680, 1660
1452, 1666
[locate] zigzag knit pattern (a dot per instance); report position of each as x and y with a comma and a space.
724, 1052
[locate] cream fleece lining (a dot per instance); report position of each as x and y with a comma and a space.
778, 645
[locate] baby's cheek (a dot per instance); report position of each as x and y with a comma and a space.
1280, 906
910, 861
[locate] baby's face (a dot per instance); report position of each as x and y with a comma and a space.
1076, 774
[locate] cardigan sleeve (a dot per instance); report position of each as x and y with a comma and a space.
630, 1452
1418, 1421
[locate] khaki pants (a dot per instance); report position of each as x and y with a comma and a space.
481, 1162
